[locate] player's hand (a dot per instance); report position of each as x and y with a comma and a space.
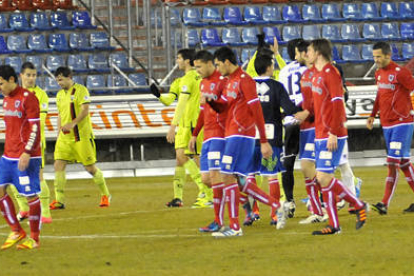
192, 143
266, 150
302, 115
171, 134
67, 128
332, 144
370, 122
275, 47
155, 90
23, 161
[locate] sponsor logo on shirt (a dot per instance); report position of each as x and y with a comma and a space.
15, 113
317, 90
386, 86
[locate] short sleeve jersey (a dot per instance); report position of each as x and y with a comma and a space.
41, 95
307, 104
69, 103
190, 85
290, 76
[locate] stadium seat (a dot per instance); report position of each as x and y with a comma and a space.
212, 16
253, 15
335, 54
37, 43
231, 36
370, 11
371, 31
77, 63
43, 4
176, 39
270, 33
37, 61
81, 20
60, 21
175, 18
17, 44
285, 55
58, 42
351, 11
6, 5
24, 5
100, 41
350, 53
331, 12
40, 21
118, 82
408, 50
395, 53
390, 31
138, 79
291, 32
51, 86
210, 37
407, 30
3, 46
310, 32
120, 60
95, 83
79, 41
389, 10
366, 52
4, 24
156, 18
232, 15
15, 62
53, 62
63, 4
193, 38
247, 54
350, 32
18, 22
271, 14
332, 33
312, 13
40, 81
192, 17
406, 10
249, 35
78, 79
291, 13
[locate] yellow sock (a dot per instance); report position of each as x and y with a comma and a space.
178, 182
282, 192
194, 171
44, 197
99, 180
21, 200
60, 182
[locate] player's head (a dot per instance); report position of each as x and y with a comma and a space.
264, 66
291, 47
204, 63
185, 58
28, 75
225, 60
381, 52
301, 50
8, 79
319, 49
63, 77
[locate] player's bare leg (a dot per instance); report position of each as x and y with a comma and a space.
59, 184
99, 180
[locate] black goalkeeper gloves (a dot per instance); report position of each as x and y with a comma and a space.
155, 90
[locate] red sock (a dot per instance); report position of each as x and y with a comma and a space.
217, 202
253, 190
274, 189
343, 193
408, 171
9, 213
390, 182
312, 191
330, 204
34, 218
232, 195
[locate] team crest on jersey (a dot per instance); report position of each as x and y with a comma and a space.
235, 84
391, 77
212, 86
16, 104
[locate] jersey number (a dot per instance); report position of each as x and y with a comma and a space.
294, 83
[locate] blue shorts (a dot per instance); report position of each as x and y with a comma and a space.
26, 182
398, 140
211, 153
327, 161
237, 155
257, 166
307, 145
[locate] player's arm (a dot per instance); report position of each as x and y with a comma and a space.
167, 99
375, 109
406, 79
84, 111
333, 84
197, 129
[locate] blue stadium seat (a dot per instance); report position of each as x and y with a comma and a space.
406, 10
15, 62
118, 82
285, 55
96, 83
100, 41
253, 15
270, 33
249, 35
4, 24
366, 52
192, 17
389, 10
332, 33
232, 15
18, 22
120, 60
351, 11
407, 30
210, 37
156, 18
59, 20
310, 32
82, 20
37, 61
37, 43
271, 14
51, 86
58, 42
395, 53
40, 82
371, 31
350, 53
40, 21
17, 44
193, 38
79, 41
78, 79
77, 63
176, 39
291, 13
311, 12
291, 32
231, 36
247, 54
331, 12
390, 31
350, 32
138, 79
335, 55
3, 46
212, 16
370, 11
53, 62
175, 18
408, 50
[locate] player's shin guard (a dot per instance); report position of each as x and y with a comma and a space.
312, 191
232, 194
347, 177
288, 180
178, 182
194, 172
343, 193
9, 213
21, 200
99, 180
217, 202
44, 197
408, 171
34, 218
390, 183
330, 203
253, 190
60, 182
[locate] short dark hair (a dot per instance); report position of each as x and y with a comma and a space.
261, 63
187, 54
264, 52
224, 53
204, 56
64, 71
6, 72
27, 65
324, 47
303, 46
291, 46
384, 46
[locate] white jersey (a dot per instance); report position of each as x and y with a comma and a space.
290, 76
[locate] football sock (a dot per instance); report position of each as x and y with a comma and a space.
339, 189
288, 180
99, 180
408, 171
348, 177
34, 218
21, 200
178, 182
232, 194
330, 204
312, 191
194, 171
390, 183
217, 202
60, 182
274, 188
9, 213
44, 197
253, 190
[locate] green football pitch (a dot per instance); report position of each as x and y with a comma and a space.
138, 235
